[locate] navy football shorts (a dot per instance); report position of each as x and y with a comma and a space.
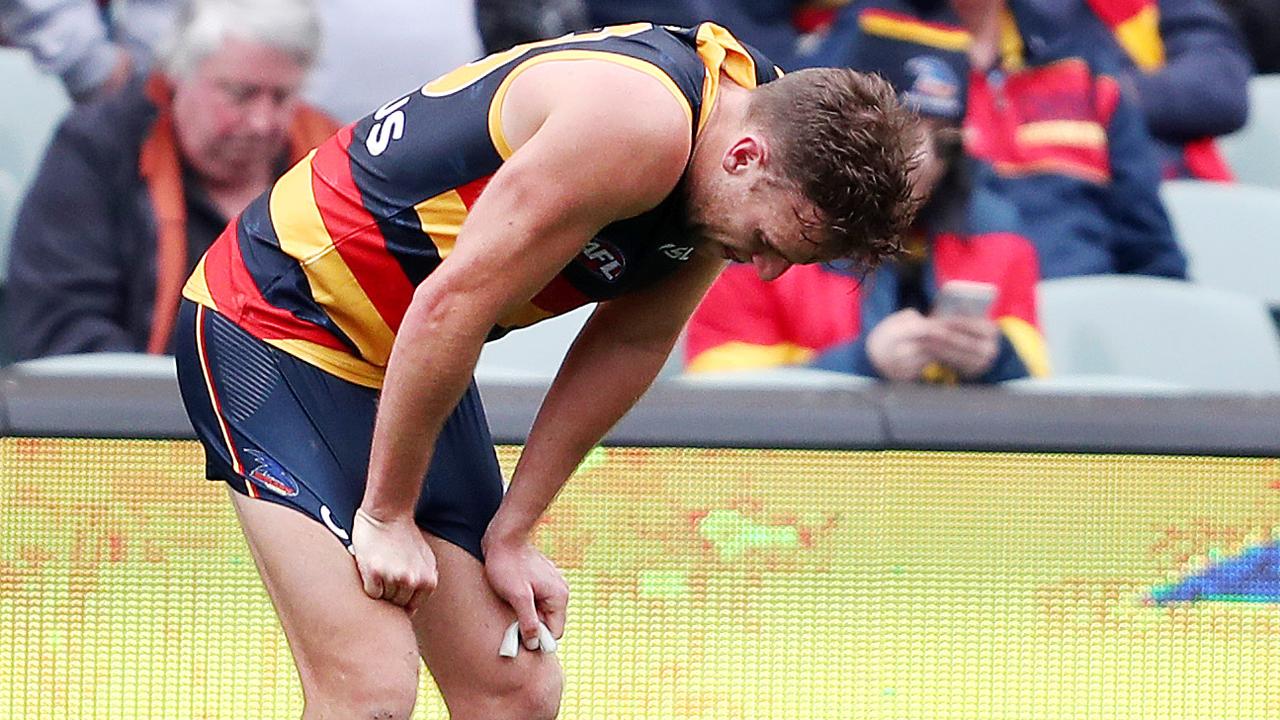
277, 428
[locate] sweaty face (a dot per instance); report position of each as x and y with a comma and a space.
747, 217
233, 112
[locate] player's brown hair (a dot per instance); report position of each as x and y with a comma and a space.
842, 139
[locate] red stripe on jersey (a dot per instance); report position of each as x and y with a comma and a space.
472, 190
558, 296
355, 232
238, 297
230, 284
1117, 12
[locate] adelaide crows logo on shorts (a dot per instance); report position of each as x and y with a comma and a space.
269, 474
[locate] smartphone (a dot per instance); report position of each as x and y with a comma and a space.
966, 298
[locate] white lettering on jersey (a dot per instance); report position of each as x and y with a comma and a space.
605, 261
390, 126
676, 252
327, 517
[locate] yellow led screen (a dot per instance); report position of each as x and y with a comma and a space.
706, 584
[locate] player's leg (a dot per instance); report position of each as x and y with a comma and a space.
459, 630
460, 627
264, 420
356, 656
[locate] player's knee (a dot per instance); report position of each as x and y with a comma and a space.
532, 693
536, 696
372, 692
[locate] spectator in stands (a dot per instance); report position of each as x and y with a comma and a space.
1065, 146
133, 189
827, 316
95, 47
1181, 62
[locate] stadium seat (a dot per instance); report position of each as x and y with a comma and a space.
1093, 385
8, 210
534, 353
33, 104
1228, 232
1254, 151
1202, 338
104, 364
9, 198
792, 377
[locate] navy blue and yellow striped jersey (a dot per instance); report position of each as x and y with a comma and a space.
324, 264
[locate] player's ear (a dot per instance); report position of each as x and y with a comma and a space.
748, 151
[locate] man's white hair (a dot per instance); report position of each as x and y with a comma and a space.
290, 26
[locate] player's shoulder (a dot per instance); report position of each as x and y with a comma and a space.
635, 95
613, 113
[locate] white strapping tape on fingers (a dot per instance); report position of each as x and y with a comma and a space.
511, 640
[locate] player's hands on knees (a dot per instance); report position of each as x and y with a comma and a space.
531, 584
395, 562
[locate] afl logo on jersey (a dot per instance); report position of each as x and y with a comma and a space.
268, 473
603, 258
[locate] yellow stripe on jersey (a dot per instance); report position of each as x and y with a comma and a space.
747, 356
303, 236
1140, 38
1012, 51
721, 52
473, 72
441, 217
523, 316
197, 288
916, 32
336, 362
1028, 343
495, 106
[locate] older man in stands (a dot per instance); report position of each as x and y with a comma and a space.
136, 186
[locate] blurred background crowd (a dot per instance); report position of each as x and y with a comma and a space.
1105, 174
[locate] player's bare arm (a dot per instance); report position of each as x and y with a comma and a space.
594, 142
622, 347
610, 365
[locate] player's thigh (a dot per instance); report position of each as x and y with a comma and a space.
460, 629
342, 640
